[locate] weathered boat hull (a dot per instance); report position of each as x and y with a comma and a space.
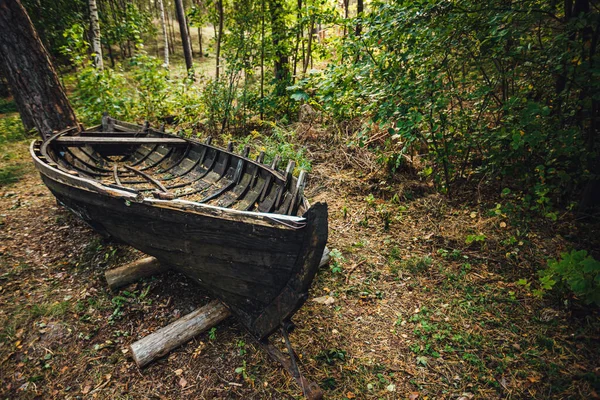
261, 266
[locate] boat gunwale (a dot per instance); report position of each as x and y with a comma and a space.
133, 195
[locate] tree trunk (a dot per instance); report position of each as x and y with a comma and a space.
200, 41
360, 7
171, 32
185, 39
96, 45
311, 28
26, 65
164, 31
279, 34
189, 35
220, 35
262, 56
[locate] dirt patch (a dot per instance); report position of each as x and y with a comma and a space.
422, 300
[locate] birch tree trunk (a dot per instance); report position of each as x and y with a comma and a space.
96, 45
219, 4
163, 24
26, 65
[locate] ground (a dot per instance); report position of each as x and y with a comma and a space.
421, 300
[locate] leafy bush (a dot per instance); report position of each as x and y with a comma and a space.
576, 271
472, 88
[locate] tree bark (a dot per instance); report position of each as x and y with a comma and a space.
279, 34
360, 7
164, 32
96, 44
200, 41
26, 65
185, 39
219, 4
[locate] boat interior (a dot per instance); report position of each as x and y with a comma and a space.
153, 163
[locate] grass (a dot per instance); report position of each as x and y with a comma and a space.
13, 148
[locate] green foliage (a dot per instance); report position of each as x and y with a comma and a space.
336, 261
489, 89
576, 271
331, 356
11, 129
99, 91
52, 18
7, 106
212, 333
76, 47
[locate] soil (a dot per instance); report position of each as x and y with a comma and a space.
425, 298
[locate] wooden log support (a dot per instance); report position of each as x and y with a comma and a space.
161, 342
166, 339
131, 272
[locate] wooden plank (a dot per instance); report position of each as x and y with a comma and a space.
118, 141
148, 177
177, 333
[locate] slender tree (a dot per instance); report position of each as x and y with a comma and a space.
161, 9
360, 7
26, 65
96, 44
185, 39
220, 13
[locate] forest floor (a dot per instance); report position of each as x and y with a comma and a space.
424, 301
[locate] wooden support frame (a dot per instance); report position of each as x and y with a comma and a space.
168, 338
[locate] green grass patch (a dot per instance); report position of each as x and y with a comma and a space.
11, 174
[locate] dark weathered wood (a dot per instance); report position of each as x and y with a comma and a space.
133, 271
147, 177
161, 342
311, 390
117, 141
185, 38
32, 79
260, 264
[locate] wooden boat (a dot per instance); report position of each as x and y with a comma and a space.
241, 229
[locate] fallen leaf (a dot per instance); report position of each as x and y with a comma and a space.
413, 396
502, 224
327, 300
178, 372
86, 389
350, 395
182, 382
391, 387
